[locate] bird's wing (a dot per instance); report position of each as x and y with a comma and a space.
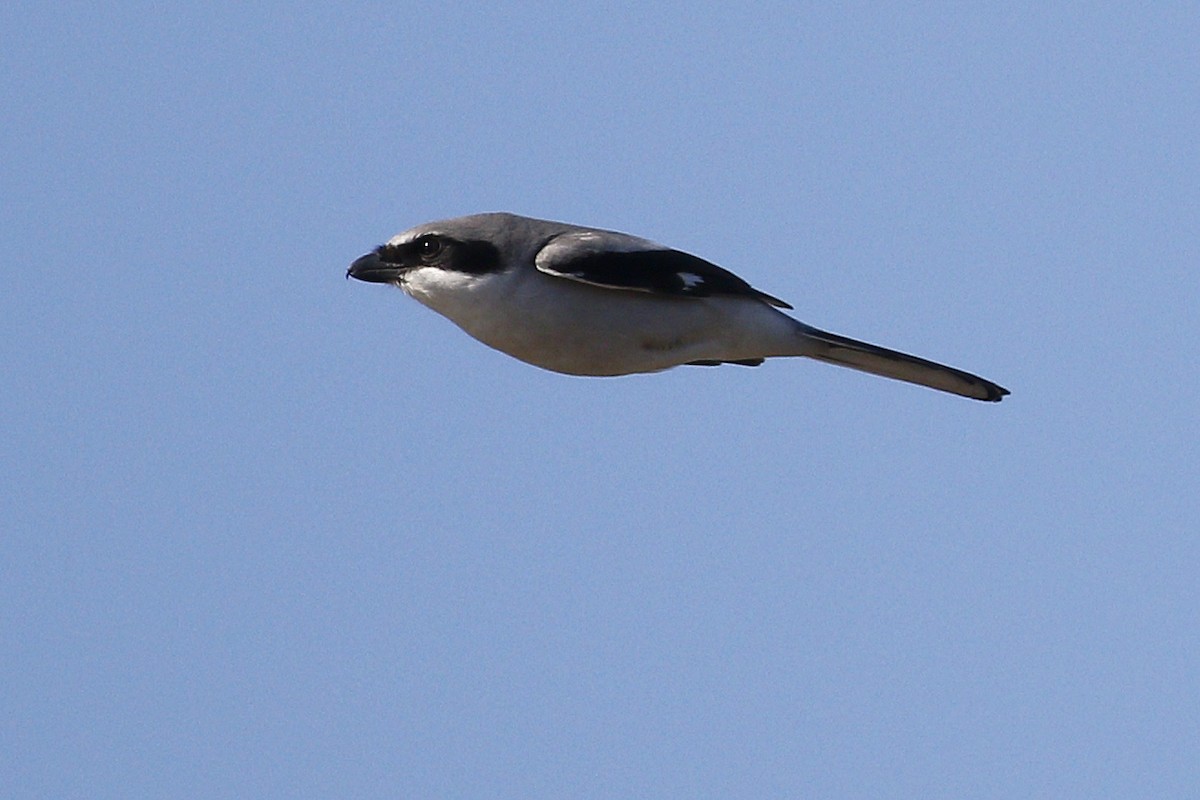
618, 261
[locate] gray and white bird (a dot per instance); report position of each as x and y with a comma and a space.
583, 301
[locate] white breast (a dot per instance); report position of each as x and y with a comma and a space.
571, 327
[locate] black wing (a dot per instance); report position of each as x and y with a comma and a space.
618, 261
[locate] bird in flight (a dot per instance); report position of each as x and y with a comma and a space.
584, 301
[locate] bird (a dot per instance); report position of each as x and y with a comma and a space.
588, 301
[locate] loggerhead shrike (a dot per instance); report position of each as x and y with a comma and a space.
584, 301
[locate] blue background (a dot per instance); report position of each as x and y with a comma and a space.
269, 532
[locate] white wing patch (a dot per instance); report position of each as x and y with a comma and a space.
690, 280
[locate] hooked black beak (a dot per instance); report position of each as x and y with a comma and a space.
373, 269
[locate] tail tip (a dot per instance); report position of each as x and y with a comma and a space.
994, 392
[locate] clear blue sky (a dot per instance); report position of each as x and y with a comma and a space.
272, 533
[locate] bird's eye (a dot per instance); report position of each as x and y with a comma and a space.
428, 247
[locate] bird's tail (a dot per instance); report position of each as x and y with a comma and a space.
846, 352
